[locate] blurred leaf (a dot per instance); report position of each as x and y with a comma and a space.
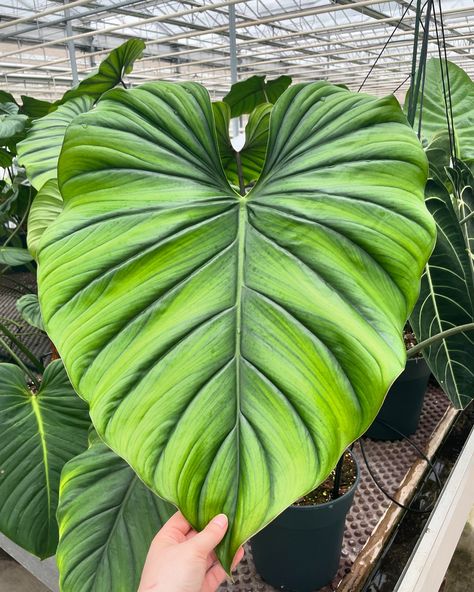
44, 209
29, 308
12, 256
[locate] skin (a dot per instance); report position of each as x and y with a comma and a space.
183, 560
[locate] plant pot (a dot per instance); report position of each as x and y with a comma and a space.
300, 550
403, 403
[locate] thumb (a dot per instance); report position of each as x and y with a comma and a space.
212, 535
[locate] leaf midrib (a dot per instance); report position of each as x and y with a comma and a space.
44, 449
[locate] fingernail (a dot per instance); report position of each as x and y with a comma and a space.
220, 520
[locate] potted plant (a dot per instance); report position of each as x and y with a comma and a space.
301, 548
215, 314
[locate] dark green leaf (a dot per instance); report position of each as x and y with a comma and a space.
13, 256
107, 520
40, 433
244, 96
252, 154
434, 118
111, 71
29, 308
446, 301
35, 108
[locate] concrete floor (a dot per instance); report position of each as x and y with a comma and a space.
459, 578
13, 578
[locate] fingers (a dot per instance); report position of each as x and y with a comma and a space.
214, 578
176, 529
216, 575
212, 535
238, 557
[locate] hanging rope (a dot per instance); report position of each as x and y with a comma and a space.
443, 61
386, 44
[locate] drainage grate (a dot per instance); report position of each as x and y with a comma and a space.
372, 516
35, 340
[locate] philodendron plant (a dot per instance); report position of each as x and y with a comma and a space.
443, 318
230, 344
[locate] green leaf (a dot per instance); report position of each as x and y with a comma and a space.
252, 154
39, 152
434, 118
9, 108
14, 256
447, 298
29, 308
438, 153
6, 158
40, 433
244, 96
111, 71
6, 97
232, 347
107, 520
12, 127
35, 108
46, 206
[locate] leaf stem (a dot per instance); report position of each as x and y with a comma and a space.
27, 352
438, 337
468, 217
20, 363
240, 173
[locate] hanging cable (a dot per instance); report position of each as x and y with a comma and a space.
383, 490
386, 44
419, 79
443, 60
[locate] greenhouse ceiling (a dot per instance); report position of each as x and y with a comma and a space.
46, 46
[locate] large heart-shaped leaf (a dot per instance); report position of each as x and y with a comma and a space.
111, 71
447, 297
231, 346
434, 109
107, 520
39, 151
46, 206
248, 162
40, 432
244, 96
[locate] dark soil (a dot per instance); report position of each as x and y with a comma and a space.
410, 340
325, 492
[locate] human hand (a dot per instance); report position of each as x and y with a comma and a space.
183, 560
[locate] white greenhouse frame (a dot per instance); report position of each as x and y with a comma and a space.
46, 46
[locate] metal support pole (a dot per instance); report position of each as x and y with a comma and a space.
71, 48
233, 60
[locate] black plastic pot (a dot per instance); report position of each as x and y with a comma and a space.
300, 550
403, 403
